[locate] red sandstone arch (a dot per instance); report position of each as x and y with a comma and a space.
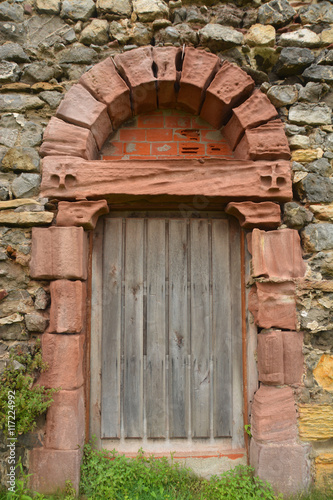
109, 94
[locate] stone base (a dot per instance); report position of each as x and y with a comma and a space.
51, 469
285, 466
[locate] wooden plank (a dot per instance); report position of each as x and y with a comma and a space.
200, 328
229, 179
178, 329
221, 329
155, 361
133, 328
111, 354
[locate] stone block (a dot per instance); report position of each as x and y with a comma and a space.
51, 469
65, 421
61, 138
107, 86
59, 252
286, 466
230, 87
167, 60
81, 213
280, 357
315, 422
265, 215
273, 305
318, 237
199, 69
266, 142
277, 254
324, 470
68, 304
136, 67
323, 373
255, 111
274, 415
81, 108
64, 356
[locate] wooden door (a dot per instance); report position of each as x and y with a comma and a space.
170, 328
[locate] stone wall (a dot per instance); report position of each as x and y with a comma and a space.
46, 45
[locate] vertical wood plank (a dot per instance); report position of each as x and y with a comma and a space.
200, 328
111, 354
221, 334
133, 329
178, 329
155, 363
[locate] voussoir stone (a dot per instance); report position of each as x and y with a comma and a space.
277, 12
9, 72
318, 73
78, 10
218, 37
11, 12
260, 35
48, 6
300, 38
149, 10
310, 114
117, 8
96, 32
282, 95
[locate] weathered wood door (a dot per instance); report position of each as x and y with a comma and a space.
170, 328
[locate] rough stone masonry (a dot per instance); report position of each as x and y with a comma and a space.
287, 49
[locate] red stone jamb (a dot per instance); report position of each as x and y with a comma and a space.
142, 80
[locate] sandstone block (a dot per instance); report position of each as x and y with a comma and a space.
230, 87
59, 252
315, 421
61, 138
107, 86
265, 215
51, 469
166, 60
286, 466
25, 219
324, 470
81, 108
65, 423
274, 415
64, 356
277, 254
273, 305
67, 313
136, 67
256, 110
267, 142
323, 372
199, 68
280, 357
81, 213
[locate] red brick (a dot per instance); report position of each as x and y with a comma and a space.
51, 469
136, 67
167, 60
105, 84
218, 149
81, 213
143, 157
68, 301
164, 149
178, 121
59, 252
115, 149
65, 421
265, 215
274, 416
254, 111
287, 466
81, 108
270, 358
61, 138
64, 356
193, 149
151, 121
132, 134
187, 134
137, 148
267, 142
273, 305
277, 254
229, 88
199, 68
159, 135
